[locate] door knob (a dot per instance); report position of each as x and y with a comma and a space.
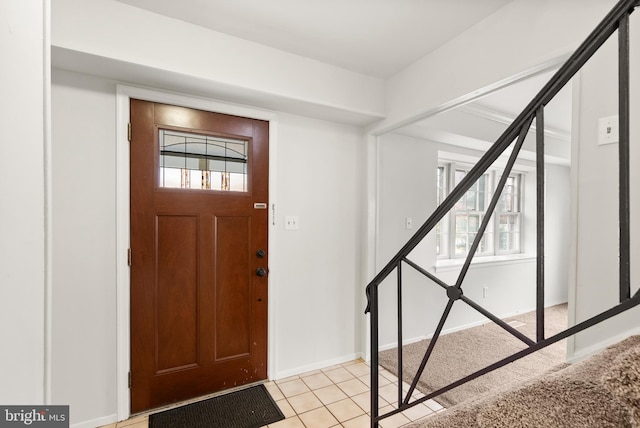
260, 254
261, 271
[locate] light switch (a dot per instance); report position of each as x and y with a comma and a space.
608, 130
408, 223
291, 222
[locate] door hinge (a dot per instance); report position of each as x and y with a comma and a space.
129, 256
130, 380
129, 131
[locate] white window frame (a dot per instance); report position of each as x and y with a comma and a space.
519, 177
446, 226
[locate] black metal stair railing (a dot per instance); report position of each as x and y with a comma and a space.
616, 20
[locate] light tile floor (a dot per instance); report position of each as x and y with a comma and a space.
336, 396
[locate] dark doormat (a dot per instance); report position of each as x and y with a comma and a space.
249, 408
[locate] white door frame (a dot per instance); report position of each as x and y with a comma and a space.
123, 334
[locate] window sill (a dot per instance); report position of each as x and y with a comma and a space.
447, 265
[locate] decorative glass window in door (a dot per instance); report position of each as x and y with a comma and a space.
199, 161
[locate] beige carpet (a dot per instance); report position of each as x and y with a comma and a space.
596, 392
461, 353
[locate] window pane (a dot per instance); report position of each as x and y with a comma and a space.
474, 222
509, 198
441, 184
237, 182
458, 176
502, 234
509, 188
461, 223
483, 181
442, 228
482, 248
461, 244
472, 200
170, 177
509, 230
197, 161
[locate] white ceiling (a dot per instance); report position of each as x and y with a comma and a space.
506, 104
511, 100
378, 38
374, 37
478, 124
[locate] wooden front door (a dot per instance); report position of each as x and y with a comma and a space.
199, 220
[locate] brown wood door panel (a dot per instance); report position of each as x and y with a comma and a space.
232, 286
176, 292
198, 309
182, 117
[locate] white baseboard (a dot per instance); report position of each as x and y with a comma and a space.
404, 342
429, 336
316, 366
594, 349
462, 327
98, 422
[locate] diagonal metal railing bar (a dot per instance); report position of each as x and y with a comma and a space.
427, 354
498, 321
616, 20
473, 304
465, 184
426, 273
582, 54
622, 307
494, 201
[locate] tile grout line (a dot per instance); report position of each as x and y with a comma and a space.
325, 405
354, 376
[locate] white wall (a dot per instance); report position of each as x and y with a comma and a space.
407, 167
315, 282
597, 275
557, 233
519, 37
118, 39
96, 35
318, 287
23, 41
406, 188
84, 200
